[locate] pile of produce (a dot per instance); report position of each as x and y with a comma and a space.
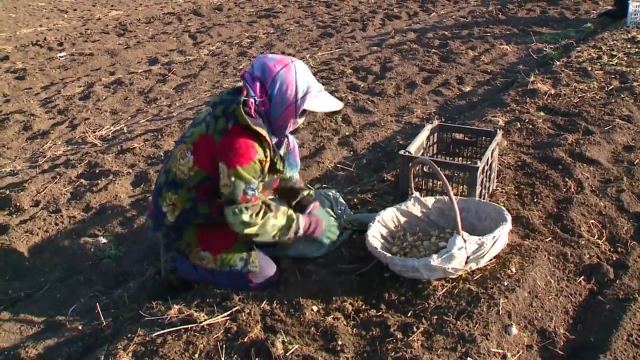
419, 245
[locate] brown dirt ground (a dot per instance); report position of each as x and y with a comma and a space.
84, 135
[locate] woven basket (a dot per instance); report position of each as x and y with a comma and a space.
482, 235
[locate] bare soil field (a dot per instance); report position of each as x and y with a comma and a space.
94, 93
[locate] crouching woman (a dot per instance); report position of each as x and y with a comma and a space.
209, 205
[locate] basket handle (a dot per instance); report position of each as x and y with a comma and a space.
425, 161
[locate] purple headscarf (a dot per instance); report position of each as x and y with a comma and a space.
277, 88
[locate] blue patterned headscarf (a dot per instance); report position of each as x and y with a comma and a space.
277, 88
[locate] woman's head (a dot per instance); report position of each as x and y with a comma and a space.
281, 90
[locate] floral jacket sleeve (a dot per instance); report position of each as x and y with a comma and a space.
242, 177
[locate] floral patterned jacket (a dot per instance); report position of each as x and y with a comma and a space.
209, 200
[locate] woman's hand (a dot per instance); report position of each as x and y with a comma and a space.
317, 222
320, 224
298, 198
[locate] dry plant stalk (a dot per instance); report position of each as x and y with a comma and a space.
292, 350
100, 315
213, 320
418, 245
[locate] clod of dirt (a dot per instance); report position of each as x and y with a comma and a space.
599, 272
153, 61
198, 13
4, 229
4, 56
20, 76
4, 89
5, 202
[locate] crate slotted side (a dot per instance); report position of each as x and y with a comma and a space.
467, 156
633, 14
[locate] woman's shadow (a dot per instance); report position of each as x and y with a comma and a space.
48, 295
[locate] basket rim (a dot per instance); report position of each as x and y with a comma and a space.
412, 266
507, 216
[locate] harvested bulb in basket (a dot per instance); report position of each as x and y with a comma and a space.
419, 245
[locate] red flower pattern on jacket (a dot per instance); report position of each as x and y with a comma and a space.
216, 239
239, 141
204, 154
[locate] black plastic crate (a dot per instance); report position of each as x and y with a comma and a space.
467, 156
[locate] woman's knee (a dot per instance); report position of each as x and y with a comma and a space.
267, 274
265, 277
